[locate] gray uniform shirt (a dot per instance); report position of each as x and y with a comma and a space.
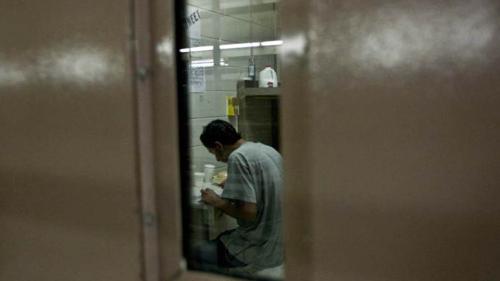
255, 175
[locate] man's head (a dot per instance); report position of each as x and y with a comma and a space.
220, 138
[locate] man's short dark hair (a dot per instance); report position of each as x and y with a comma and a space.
221, 131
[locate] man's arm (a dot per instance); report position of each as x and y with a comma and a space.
240, 210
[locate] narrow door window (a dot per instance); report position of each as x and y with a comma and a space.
229, 96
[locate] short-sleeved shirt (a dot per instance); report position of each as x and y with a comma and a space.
255, 175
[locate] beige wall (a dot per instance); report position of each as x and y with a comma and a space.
391, 140
68, 184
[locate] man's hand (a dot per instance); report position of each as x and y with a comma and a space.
236, 209
211, 198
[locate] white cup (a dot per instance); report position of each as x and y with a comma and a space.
196, 193
199, 177
209, 172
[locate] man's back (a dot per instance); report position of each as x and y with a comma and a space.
255, 175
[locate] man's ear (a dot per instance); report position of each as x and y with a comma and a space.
218, 145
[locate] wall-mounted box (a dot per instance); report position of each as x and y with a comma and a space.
259, 111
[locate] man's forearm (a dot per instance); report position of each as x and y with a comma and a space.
235, 211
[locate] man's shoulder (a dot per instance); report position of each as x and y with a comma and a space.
249, 150
243, 153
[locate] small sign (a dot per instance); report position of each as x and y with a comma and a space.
197, 82
231, 106
193, 18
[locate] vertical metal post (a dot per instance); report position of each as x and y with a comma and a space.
144, 118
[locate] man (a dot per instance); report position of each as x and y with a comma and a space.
251, 194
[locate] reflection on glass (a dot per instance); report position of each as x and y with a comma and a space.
236, 177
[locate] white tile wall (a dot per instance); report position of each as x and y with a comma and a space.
203, 4
262, 13
235, 30
240, 10
232, 4
224, 78
210, 24
208, 104
201, 156
237, 24
265, 15
225, 22
262, 33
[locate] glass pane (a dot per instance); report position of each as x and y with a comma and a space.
232, 188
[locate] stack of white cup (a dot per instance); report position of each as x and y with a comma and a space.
209, 170
199, 177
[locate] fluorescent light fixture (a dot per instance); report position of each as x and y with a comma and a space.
202, 64
233, 46
197, 49
203, 61
272, 43
206, 63
239, 45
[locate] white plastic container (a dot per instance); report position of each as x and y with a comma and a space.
268, 78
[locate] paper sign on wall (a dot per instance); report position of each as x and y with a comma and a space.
197, 82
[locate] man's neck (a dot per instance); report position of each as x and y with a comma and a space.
235, 146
